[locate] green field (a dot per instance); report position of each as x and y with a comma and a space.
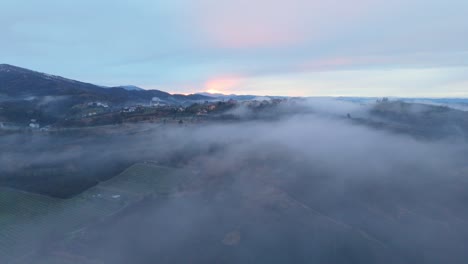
28, 220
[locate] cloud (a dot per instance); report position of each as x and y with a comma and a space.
305, 182
266, 24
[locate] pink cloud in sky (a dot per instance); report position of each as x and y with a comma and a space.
255, 36
274, 23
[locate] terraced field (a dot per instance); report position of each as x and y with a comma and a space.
28, 221
145, 178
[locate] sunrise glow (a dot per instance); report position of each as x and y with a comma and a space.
222, 85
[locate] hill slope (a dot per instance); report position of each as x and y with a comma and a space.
20, 82
27, 94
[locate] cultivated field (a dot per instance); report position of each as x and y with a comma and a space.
29, 221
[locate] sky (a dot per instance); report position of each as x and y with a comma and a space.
406, 48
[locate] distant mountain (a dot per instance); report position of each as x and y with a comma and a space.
20, 82
195, 97
228, 96
16, 81
455, 103
417, 119
131, 88
214, 95
27, 95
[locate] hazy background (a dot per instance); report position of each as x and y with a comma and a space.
409, 48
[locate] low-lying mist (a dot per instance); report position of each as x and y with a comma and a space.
308, 186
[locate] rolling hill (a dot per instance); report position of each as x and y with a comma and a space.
26, 94
18, 82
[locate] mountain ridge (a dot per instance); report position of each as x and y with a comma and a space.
17, 81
